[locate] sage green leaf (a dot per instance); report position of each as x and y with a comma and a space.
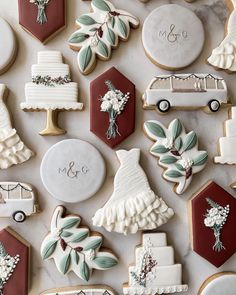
75, 257
102, 48
178, 143
173, 174
64, 264
113, 22
189, 141
168, 159
66, 234
200, 159
94, 244
48, 249
105, 262
155, 129
85, 57
78, 37
84, 271
179, 167
93, 30
159, 149
122, 27
111, 37
80, 236
101, 4
86, 20
176, 129
70, 222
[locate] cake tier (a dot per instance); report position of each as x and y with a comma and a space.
155, 239
52, 70
227, 151
163, 255
230, 128
161, 276
49, 56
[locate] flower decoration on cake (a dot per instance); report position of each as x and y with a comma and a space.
41, 4
113, 102
215, 219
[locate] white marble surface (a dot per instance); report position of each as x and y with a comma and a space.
131, 60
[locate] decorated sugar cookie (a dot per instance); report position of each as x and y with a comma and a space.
14, 263
223, 56
81, 290
75, 248
227, 143
155, 271
73, 170
177, 152
13, 151
133, 206
173, 36
213, 223
38, 17
51, 90
8, 46
112, 107
99, 32
223, 283
207, 91
17, 200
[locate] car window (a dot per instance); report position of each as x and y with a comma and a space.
188, 84
161, 84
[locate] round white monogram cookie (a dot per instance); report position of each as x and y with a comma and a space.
173, 36
73, 170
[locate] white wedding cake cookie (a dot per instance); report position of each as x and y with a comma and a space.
155, 271
227, 144
51, 86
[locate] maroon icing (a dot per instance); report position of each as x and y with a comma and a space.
203, 237
99, 121
55, 11
18, 282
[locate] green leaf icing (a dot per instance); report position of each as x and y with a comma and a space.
155, 129
122, 27
84, 270
64, 265
85, 57
70, 222
66, 234
49, 249
189, 141
96, 243
80, 236
173, 174
86, 20
113, 22
102, 49
176, 128
75, 256
178, 143
179, 167
105, 262
111, 37
159, 149
200, 159
168, 160
101, 4
78, 37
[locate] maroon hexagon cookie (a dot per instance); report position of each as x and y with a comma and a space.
213, 223
14, 263
112, 107
42, 18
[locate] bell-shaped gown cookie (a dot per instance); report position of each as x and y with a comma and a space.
133, 205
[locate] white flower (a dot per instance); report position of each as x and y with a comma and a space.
168, 143
186, 163
105, 106
213, 212
56, 232
94, 41
209, 222
90, 254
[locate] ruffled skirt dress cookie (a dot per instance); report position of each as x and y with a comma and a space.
12, 150
133, 205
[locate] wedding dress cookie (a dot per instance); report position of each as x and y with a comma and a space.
12, 150
38, 17
173, 36
133, 205
81, 290
223, 283
75, 248
14, 263
73, 170
177, 152
223, 57
99, 32
155, 271
8, 46
213, 223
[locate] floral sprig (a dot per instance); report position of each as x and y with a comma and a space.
49, 81
215, 219
41, 4
113, 102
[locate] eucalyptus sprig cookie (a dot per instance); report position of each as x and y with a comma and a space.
81, 290
99, 32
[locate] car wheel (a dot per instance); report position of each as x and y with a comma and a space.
163, 106
19, 216
214, 105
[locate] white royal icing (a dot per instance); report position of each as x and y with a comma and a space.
8, 45
51, 86
176, 89
173, 36
86, 290
227, 144
154, 271
223, 56
12, 150
225, 284
177, 152
133, 205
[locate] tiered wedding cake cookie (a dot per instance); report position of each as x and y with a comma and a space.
227, 144
155, 271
